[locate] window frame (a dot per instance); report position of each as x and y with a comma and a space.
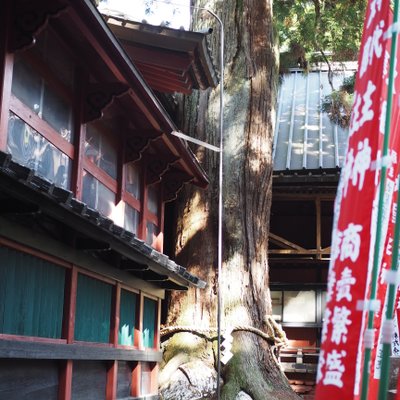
319, 312
74, 150
30, 117
137, 333
157, 321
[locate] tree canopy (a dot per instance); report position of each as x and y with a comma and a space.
327, 30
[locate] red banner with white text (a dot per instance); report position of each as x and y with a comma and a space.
388, 226
354, 230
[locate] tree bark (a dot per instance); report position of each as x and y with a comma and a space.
188, 370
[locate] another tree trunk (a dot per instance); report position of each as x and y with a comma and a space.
189, 357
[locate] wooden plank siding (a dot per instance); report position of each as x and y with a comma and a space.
93, 310
28, 379
31, 299
86, 340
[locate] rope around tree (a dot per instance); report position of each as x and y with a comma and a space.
274, 334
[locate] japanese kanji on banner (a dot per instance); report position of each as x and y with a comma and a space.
354, 230
388, 225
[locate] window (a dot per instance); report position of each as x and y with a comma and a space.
31, 149
101, 149
149, 322
152, 216
132, 196
101, 174
32, 301
298, 307
31, 87
31, 295
152, 232
97, 195
131, 219
93, 310
99, 186
40, 130
132, 180
153, 199
127, 319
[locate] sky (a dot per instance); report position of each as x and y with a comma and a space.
177, 13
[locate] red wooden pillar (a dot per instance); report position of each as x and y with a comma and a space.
65, 382
6, 65
157, 326
79, 132
65, 379
112, 372
161, 211
154, 379
142, 231
115, 315
135, 386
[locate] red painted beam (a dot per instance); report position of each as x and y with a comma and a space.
65, 381
173, 60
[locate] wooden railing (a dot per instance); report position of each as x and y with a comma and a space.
299, 359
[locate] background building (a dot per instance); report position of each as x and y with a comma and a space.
309, 151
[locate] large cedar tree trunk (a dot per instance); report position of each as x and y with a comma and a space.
188, 371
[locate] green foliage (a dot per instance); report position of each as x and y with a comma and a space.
339, 103
319, 28
348, 83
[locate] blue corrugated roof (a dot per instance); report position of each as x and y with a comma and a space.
305, 138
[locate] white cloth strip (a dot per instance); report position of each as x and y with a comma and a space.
385, 161
369, 338
368, 305
391, 277
387, 331
394, 28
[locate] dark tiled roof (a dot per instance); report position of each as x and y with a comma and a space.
17, 181
306, 141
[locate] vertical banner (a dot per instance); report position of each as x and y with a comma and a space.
390, 206
353, 236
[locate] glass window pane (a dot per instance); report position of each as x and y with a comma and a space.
132, 182
57, 113
31, 295
152, 232
127, 320
93, 310
299, 306
153, 197
32, 150
33, 91
97, 196
131, 220
101, 150
149, 322
27, 84
276, 299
